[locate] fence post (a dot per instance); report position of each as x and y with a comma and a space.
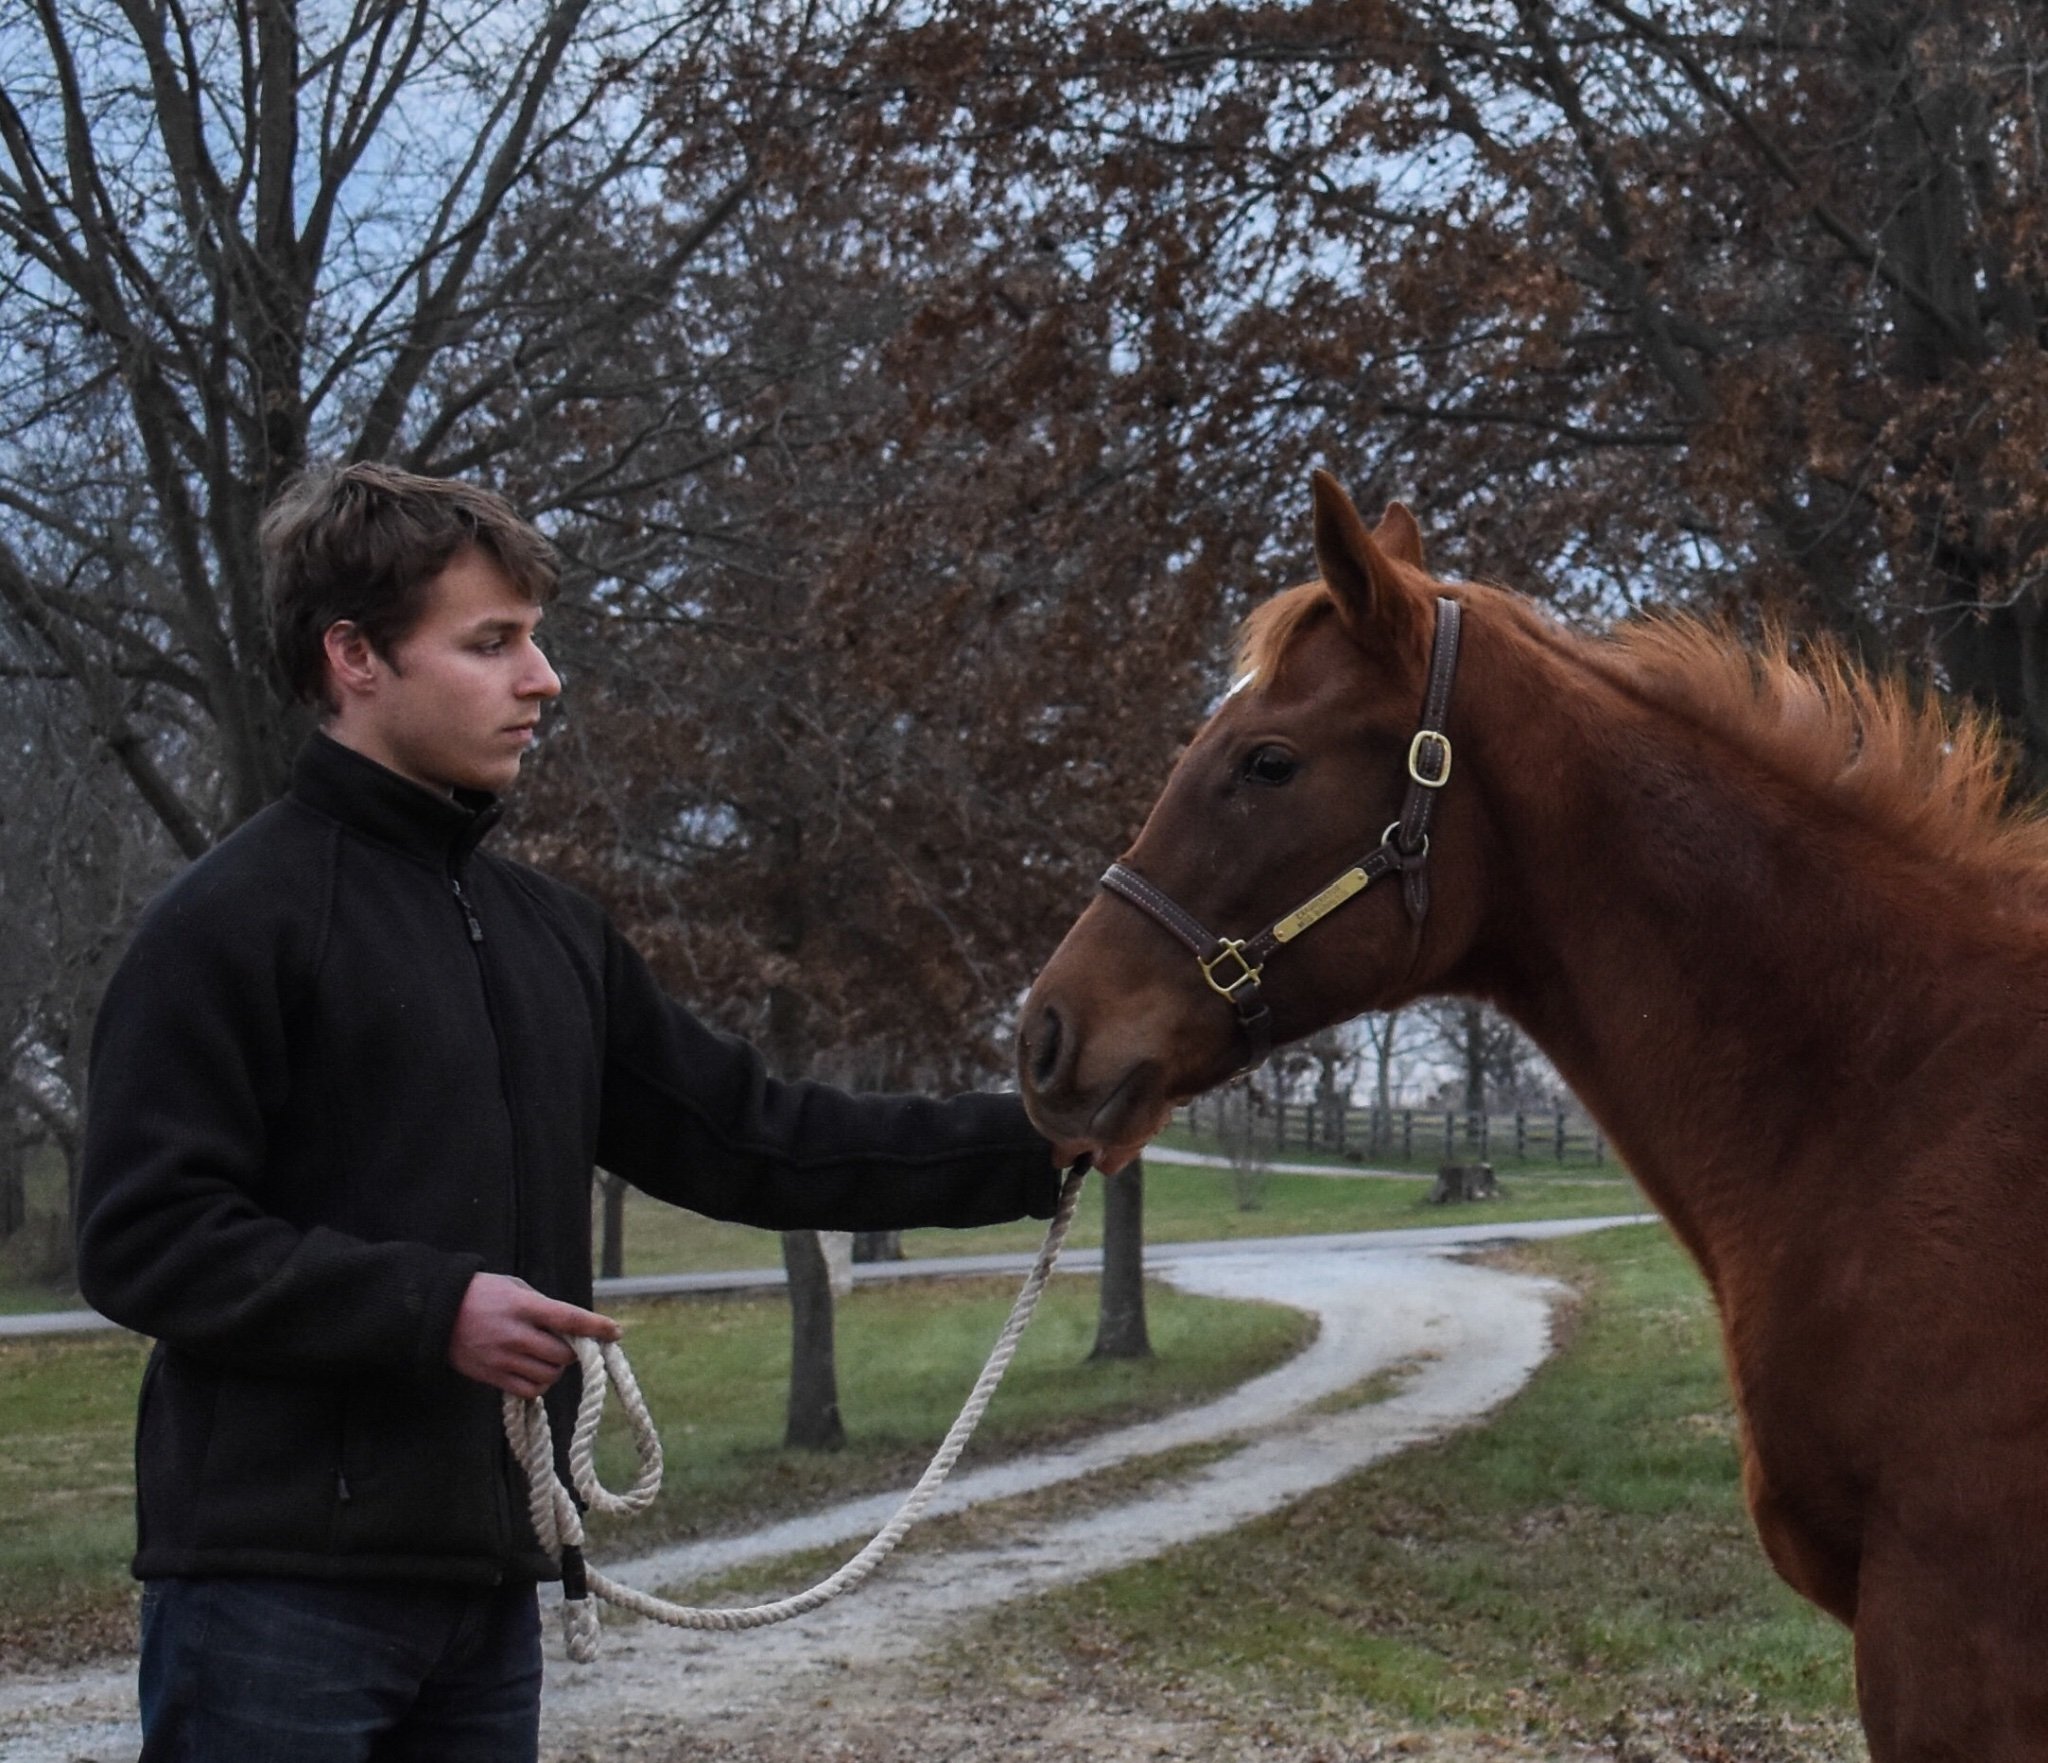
1407, 1135
1599, 1147
1521, 1137
1560, 1135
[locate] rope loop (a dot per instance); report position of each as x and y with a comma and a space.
558, 1521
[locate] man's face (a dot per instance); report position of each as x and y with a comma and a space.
457, 702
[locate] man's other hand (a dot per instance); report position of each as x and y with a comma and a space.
509, 1336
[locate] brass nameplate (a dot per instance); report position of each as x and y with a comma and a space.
1352, 881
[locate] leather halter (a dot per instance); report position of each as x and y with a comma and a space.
1235, 968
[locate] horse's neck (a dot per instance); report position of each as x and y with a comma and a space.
1730, 978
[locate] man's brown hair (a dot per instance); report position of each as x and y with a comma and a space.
361, 542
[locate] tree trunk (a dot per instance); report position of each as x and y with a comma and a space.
1999, 656
814, 1423
611, 1263
1383, 1080
1472, 1030
1120, 1321
13, 1178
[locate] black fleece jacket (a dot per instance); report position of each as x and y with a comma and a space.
349, 1061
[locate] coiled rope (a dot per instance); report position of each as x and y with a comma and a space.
559, 1524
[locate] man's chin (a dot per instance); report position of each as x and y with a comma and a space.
488, 780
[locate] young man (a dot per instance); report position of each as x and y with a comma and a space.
347, 1091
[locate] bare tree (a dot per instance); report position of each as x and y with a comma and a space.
74, 864
242, 235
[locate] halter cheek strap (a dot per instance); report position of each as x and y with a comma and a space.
1234, 968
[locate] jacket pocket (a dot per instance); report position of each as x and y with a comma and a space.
419, 1459
267, 1476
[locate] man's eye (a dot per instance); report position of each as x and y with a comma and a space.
1270, 765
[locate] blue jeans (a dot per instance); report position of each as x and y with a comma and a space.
338, 1671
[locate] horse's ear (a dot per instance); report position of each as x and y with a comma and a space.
1362, 573
1398, 535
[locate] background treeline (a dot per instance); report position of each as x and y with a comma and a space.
918, 393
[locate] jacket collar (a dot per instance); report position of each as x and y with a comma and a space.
340, 783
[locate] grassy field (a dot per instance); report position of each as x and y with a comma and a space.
714, 1374
1182, 1204
1580, 1568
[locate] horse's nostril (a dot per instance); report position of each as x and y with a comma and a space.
1045, 1056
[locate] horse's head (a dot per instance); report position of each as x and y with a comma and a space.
1313, 772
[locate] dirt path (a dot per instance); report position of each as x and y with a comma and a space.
1460, 1339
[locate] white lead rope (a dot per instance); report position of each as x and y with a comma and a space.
559, 1524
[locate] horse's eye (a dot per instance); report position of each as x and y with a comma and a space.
1270, 765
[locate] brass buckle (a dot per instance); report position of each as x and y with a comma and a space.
1232, 950
1443, 774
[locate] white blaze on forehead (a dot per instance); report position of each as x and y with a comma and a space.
1243, 683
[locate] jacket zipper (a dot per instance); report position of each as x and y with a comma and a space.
476, 938
474, 927
476, 931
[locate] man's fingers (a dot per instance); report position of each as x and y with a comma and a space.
543, 1347
567, 1319
525, 1377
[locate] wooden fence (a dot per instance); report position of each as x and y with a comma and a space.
1407, 1135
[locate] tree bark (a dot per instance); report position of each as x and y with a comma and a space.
814, 1423
13, 1178
1120, 1320
1472, 1032
611, 1263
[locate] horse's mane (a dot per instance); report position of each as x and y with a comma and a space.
1927, 775
1924, 774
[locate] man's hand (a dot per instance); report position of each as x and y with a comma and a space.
508, 1336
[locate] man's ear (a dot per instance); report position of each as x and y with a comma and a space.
353, 664
1363, 574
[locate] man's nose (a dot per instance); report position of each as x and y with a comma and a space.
541, 681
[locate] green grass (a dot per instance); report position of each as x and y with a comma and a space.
1183, 1204
714, 1373
1581, 1562
67, 1412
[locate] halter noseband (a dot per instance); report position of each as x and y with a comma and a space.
1234, 968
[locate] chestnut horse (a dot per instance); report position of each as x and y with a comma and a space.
1776, 928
